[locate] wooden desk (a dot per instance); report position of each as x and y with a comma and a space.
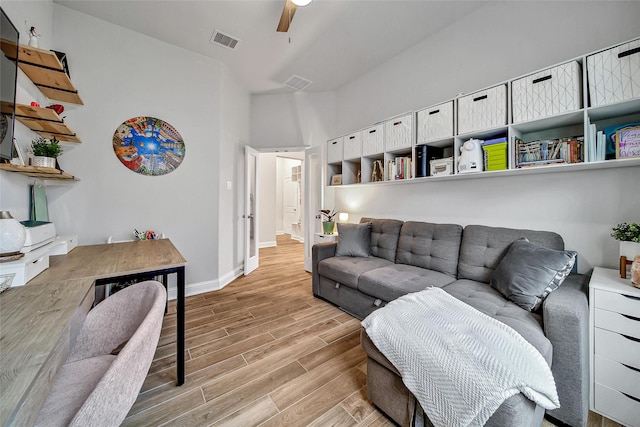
39, 319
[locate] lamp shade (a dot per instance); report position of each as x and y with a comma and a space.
301, 3
12, 234
343, 217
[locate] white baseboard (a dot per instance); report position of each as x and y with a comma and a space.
191, 289
298, 238
279, 232
267, 244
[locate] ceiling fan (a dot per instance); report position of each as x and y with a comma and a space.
289, 10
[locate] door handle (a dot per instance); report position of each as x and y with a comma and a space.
248, 217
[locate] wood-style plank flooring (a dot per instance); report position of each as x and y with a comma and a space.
263, 351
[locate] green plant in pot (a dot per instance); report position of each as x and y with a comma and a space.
629, 237
328, 220
45, 151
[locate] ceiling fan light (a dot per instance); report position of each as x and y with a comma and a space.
301, 3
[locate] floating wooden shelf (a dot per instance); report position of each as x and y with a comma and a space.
43, 121
45, 70
38, 172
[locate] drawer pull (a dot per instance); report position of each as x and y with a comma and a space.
631, 338
541, 79
399, 122
334, 142
637, 319
480, 98
372, 131
630, 367
352, 137
629, 52
631, 297
631, 397
434, 112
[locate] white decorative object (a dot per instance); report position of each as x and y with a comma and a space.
33, 37
629, 249
471, 159
12, 234
45, 162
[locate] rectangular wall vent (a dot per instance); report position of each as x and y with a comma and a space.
296, 82
223, 39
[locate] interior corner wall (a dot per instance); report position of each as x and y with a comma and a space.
497, 42
122, 74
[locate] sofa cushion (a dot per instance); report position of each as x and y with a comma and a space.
432, 246
484, 298
528, 273
354, 240
347, 270
393, 281
483, 247
384, 237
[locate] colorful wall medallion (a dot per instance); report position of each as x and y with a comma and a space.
148, 146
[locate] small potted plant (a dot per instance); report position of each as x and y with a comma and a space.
629, 237
328, 220
45, 151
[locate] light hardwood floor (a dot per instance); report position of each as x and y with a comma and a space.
263, 351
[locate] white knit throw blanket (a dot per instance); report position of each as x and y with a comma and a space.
459, 363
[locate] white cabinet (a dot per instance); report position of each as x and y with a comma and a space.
614, 322
485, 109
352, 146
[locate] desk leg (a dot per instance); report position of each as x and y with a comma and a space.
180, 332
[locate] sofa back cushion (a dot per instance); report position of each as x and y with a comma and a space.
483, 247
384, 237
431, 246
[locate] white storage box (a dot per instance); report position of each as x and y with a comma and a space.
614, 74
397, 133
441, 166
547, 93
373, 140
334, 150
486, 109
27, 267
62, 245
352, 146
435, 122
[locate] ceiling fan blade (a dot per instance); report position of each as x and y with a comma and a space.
287, 16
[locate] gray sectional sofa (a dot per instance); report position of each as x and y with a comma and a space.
407, 257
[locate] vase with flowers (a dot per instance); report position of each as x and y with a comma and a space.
328, 223
629, 237
45, 151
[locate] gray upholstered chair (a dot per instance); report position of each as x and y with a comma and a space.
107, 364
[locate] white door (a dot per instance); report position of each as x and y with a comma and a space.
290, 196
250, 210
313, 191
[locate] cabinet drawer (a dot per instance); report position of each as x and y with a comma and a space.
616, 405
617, 347
334, 150
373, 140
481, 110
617, 376
618, 302
397, 133
548, 92
616, 322
614, 74
435, 123
352, 146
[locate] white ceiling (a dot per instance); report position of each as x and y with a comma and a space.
330, 42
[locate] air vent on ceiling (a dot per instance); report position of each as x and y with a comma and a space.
224, 40
296, 82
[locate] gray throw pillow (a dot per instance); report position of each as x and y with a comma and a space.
528, 273
354, 240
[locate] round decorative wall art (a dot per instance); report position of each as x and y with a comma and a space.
148, 146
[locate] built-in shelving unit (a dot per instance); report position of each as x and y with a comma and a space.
43, 121
556, 103
38, 172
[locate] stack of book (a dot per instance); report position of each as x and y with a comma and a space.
549, 151
399, 168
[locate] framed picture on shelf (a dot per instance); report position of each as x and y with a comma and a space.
336, 179
628, 142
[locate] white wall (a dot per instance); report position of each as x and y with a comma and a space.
498, 42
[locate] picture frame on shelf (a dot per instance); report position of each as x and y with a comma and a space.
22, 152
336, 179
628, 142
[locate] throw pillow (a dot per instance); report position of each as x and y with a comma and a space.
529, 273
354, 240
